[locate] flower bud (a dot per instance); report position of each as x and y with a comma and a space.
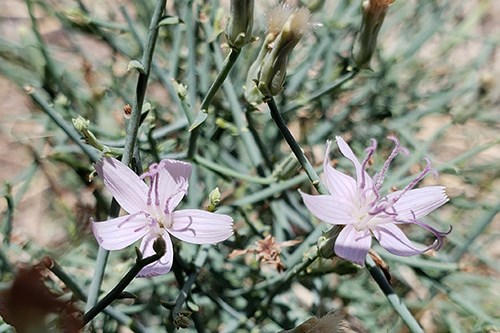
81, 124
374, 12
326, 243
273, 70
266, 75
239, 30
214, 200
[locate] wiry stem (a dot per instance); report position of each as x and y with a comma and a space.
130, 140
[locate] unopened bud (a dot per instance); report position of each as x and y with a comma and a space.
326, 243
81, 124
182, 320
239, 29
214, 200
374, 12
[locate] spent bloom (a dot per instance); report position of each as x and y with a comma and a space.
151, 212
374, 12
358, 205
286, 27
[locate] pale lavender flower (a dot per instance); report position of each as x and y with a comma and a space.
358, 205
151, 212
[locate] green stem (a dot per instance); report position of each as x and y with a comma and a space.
9, 215
223, 170
79, 292
394, 300
214, 88
291, 274
130, 140
280, 122
186, 288
65, 126
120, 287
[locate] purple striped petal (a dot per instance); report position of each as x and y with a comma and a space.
118, 233
353, 245
125, 186
338, 184
347, 152
201, 227
395, 241
329, 209
417, 203
162, 266
173, 182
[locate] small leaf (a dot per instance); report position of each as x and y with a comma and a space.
169, 20
146, 107
136, 64
200, 118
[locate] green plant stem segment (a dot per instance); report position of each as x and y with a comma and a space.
70, 131
214, 88
294, 146
120, 287
186, 288
393, 298
130, 140
78, 291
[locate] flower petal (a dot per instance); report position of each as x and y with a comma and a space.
173, 182
118, 233
353, 245
201, 227
329, 209
338, 184
164, 264
347, 152
419, 202
125, 186
395, 241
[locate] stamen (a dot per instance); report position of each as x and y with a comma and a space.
379, 177
369, 153
167, 202
157, 197
440, 235
150, 190
414, 182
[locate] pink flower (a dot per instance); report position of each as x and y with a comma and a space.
151, 212
358, 205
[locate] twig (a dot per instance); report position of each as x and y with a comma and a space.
118, 289
130, 140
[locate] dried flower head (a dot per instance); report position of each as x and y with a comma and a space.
267, 251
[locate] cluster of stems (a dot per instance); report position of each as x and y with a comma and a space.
270, 79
